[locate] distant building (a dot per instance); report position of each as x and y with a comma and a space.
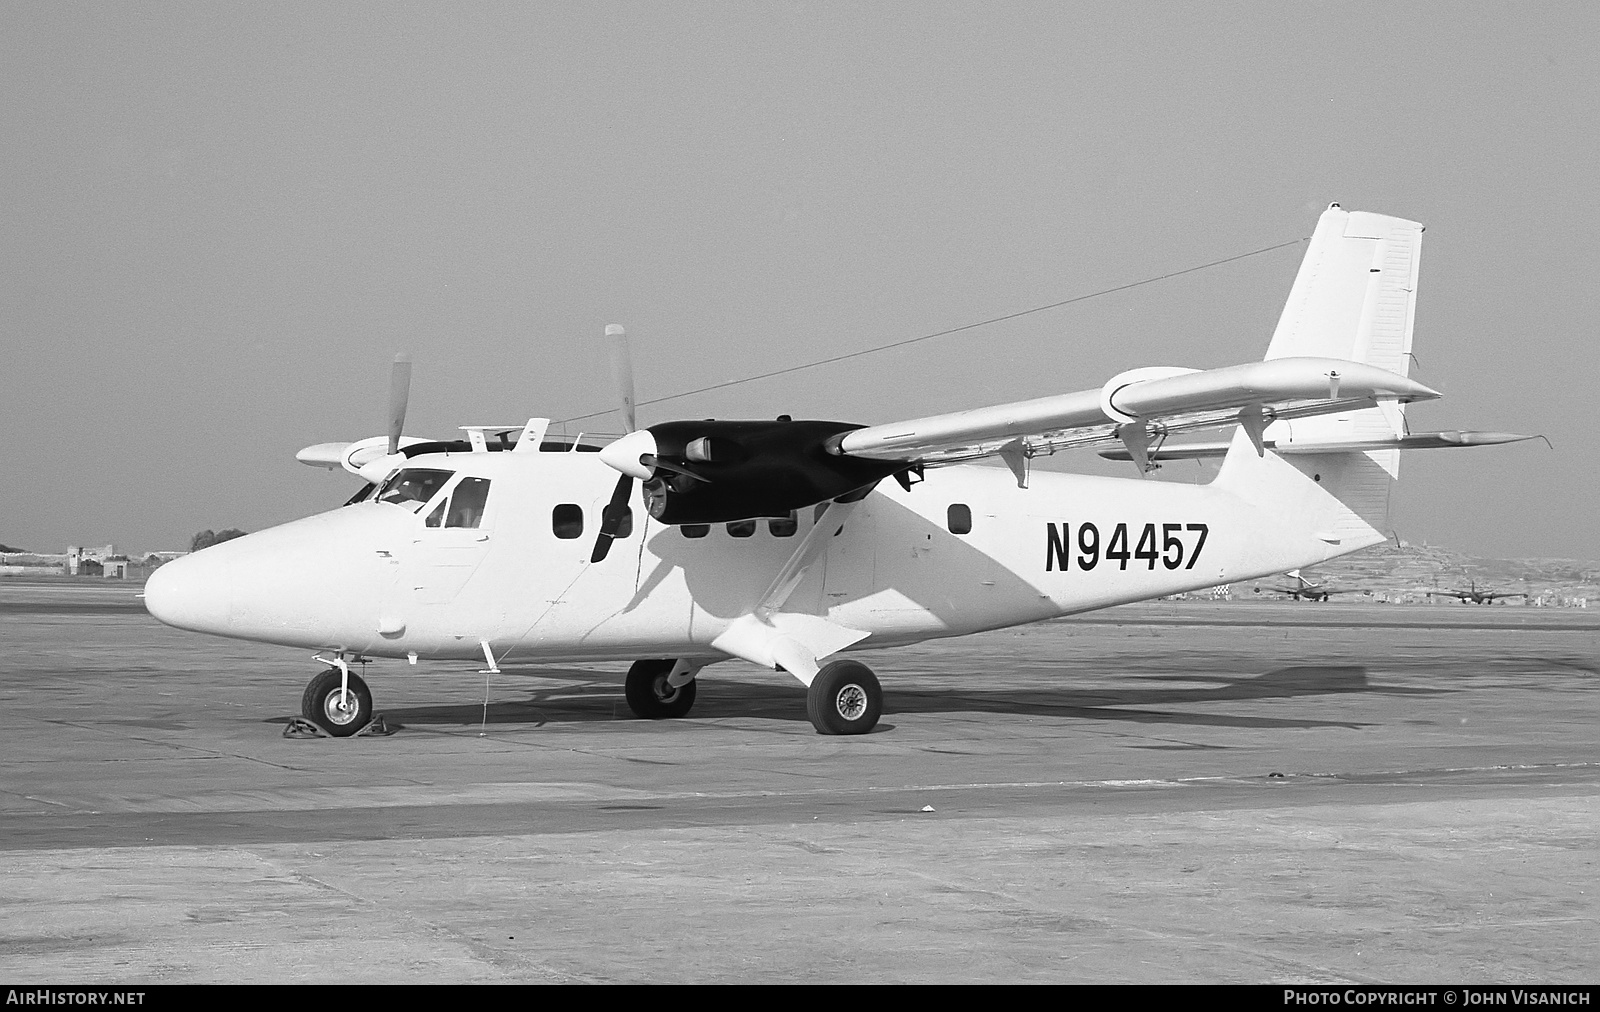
106, 561
77, 556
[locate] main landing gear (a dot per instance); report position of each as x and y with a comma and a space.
844, 698
652, 696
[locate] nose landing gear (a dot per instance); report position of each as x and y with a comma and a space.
341, 714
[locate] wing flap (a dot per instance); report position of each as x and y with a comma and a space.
1417, 441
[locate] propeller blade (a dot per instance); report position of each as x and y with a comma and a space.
622, 368
611, 518
399, 393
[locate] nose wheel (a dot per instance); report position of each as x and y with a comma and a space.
339, 714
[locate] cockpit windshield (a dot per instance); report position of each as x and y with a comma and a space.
411, 487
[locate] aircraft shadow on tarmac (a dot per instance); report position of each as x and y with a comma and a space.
576, 696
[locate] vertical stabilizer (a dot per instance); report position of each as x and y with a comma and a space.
1355, 299
1355, 295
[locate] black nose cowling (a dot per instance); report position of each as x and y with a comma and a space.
717, 471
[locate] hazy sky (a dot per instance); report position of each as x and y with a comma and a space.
220, 222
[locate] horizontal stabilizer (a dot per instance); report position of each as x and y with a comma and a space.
1419, 441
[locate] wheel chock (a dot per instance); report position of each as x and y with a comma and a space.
299, 727
376, 728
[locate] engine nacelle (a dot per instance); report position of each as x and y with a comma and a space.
719, 471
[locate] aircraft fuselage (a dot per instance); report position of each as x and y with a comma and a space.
964, 551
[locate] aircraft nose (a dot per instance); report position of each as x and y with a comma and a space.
191, 592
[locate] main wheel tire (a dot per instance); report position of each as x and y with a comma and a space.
844, 698
650, 696
322, 705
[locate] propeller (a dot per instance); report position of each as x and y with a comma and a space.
710, 471
399, 394
615, 511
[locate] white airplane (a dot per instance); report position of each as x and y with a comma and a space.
1305, 590
782, 544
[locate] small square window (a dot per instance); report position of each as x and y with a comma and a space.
567, 521
959, 518
695, 530
741, 528
783, 527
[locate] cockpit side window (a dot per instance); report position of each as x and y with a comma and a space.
411, 487
466, 503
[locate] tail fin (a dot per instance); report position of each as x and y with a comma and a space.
1355, 299
1355, 295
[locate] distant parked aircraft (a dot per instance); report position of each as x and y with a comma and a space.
1473, 595
1305, 590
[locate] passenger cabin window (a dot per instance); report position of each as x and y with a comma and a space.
411, 487
959, 518
741, 528
567, 521
695, 530
783, 527
466, 504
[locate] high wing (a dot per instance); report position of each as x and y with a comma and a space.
1137, 409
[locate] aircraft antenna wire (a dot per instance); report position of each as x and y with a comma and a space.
943, 333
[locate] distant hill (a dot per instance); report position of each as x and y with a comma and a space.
1414, 570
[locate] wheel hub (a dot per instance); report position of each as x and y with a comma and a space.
851, 702
341, 710
665, 690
